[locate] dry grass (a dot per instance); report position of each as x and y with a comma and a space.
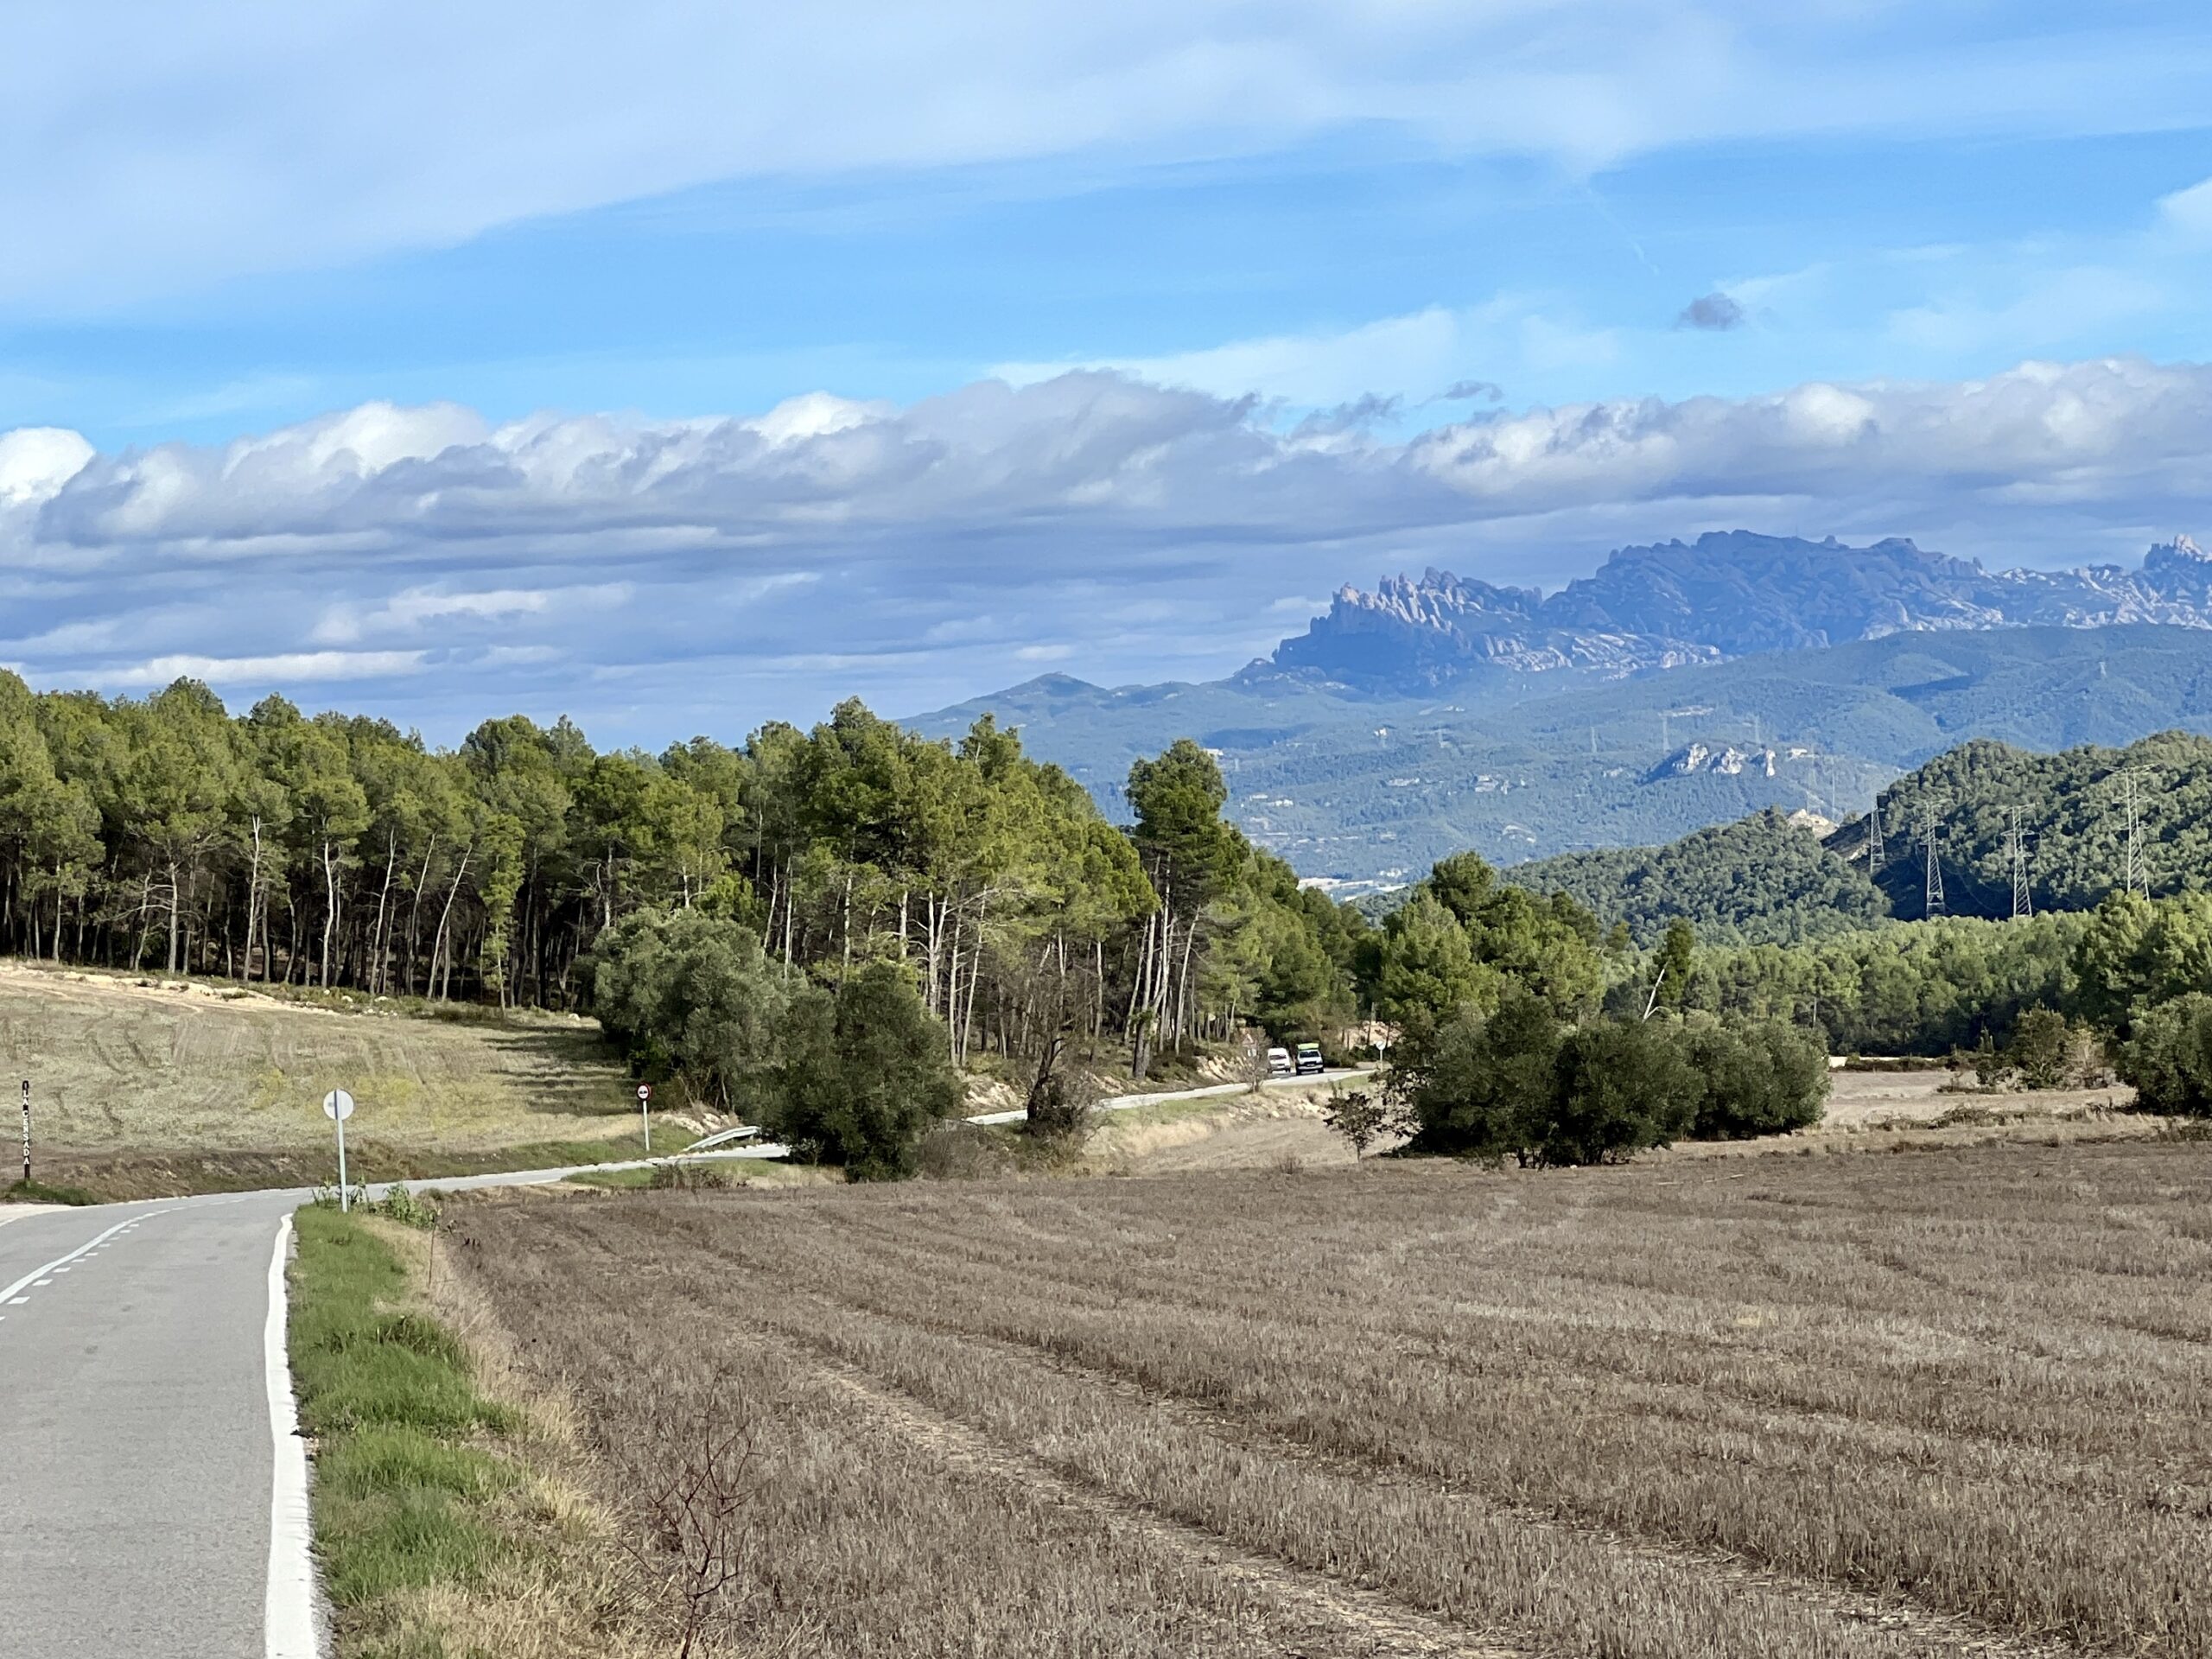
1935, 1404
150, 1086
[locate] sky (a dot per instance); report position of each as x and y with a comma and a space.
680, 367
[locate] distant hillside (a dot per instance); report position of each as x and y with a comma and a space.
2073, 816
1727, 595
1760, 880
1369, 789
1764, 879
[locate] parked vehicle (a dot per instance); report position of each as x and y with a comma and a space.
1309, 1060
1279, 1064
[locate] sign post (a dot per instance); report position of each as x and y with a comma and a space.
645, 1112
26, 1131
337, 1106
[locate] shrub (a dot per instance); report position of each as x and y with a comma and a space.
1761, 1077
1476, 1087
2169, 1060
2041, 1049
861, 1074
1361, 1116
687, 994
1620, 1085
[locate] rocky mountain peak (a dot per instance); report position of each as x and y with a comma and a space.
1728, 593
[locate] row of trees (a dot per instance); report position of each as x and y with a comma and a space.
337, 851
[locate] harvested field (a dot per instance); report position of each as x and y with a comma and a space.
1943, 1403
145, 1086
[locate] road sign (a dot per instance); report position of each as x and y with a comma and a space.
644, 1091
338, 1106
646, 1114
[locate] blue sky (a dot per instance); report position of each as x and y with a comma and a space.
698, 365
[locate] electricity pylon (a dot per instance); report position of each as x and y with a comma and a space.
2136, 877
1932, 888
1874, 836
2017, 848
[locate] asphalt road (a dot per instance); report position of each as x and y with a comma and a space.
151, 1489
135, 1454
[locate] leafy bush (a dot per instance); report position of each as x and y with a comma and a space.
862, 1073
1620, 1085
2042, 1049
1760, 1078
1521, 1084
1361, 1116
1476, 1087
2170, 1058
691, 995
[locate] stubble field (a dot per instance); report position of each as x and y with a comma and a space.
1931, 1404
143, 1087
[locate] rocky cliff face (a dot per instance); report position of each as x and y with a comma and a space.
1728, 593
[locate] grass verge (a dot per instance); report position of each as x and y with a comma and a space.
448, 1521
407, 1454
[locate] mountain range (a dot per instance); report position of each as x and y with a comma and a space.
1685, 685
1729, 594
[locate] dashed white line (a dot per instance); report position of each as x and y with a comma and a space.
12, 1294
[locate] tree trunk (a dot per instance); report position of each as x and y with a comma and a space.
329, 908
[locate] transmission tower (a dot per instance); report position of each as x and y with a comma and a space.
1874, 836
2017, 851
2137, 876
1932, 891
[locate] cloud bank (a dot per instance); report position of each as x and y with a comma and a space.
700, 575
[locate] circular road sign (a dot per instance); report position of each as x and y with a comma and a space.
338, 1104
644, 1091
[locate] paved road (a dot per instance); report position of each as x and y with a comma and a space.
136, 1455
145, 1448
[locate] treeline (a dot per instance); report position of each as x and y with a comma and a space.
1761, 879
338, 851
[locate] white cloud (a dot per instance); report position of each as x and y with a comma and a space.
407, 612
1023, 483
1127, 528
2189, 212
286, 668
242, 135
37, 460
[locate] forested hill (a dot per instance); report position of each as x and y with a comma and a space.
2072, 814
1374, 789
1766, 880
1763, 880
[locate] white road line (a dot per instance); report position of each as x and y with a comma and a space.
288, 1616
38, 1274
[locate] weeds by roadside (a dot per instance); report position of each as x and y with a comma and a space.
39, 1192
443, 1524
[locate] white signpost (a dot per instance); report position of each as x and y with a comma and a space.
645, 1112
338, 1106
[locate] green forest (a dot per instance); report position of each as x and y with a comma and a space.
1981, 813
336, 851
